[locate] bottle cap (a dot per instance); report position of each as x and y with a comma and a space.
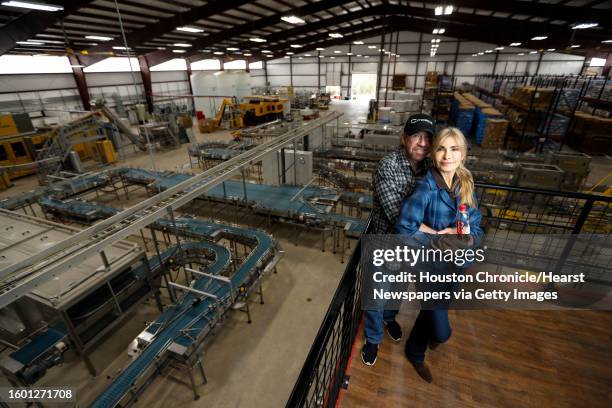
462, 207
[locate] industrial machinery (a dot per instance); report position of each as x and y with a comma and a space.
251, 111
78, 306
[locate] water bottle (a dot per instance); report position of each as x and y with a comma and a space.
463, 221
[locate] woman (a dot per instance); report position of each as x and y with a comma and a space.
432, 208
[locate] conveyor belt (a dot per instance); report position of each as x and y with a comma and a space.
19, 278
278, 199
182, 323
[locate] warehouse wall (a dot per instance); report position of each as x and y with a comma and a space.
335, 71
35, 92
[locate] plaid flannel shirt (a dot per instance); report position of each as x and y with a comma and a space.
393, 181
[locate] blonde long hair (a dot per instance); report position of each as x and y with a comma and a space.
464, 181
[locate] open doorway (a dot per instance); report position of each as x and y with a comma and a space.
363, 86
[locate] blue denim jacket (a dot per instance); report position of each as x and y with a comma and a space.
433, 206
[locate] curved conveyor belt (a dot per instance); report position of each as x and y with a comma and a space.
183, 322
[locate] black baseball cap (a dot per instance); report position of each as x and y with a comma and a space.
420, 123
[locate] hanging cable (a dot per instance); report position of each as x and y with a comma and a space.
129, 54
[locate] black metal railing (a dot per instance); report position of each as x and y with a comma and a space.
523, 212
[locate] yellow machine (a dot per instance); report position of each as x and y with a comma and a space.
253, 110
260, 109
229, 111
106, 151
18, 147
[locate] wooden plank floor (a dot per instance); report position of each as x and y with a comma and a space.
495, 359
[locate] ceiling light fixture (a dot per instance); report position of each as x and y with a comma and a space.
179, 51
481, 53
98, 37
320, 49
533, 52
499, 48
515, 44
337, 52
160, 48
474, 55
332, 57
367, 56
295, 46
550, 50
233, 49
289, 53
583, 26
349, 53
439, 31
266, 51
335, 35
293, 20
307, 55
607, 41
539, 38
29, 43
190, 29
371, 47
358, 42
246, 54
33, 5
521, 53
218, 53
257, 39
121, 48
183, 45
488, 51
575, 46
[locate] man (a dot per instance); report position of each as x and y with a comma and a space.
393, 180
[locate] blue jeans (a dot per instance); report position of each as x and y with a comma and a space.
430, 326
373, 328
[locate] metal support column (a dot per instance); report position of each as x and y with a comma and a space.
539, 62
495, 62
416, 70
146, 81
189, 82
319, 70
348, 92
291, 70
380, 61
456, 58
265, 67
79, 78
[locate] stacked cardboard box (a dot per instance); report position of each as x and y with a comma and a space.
494, 133
517, 118
483, 115
592, 134
554, 125
462, 113
523, 95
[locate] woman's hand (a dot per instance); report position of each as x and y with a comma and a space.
448, 230
428, 230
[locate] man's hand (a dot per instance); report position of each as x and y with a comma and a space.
448, 230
